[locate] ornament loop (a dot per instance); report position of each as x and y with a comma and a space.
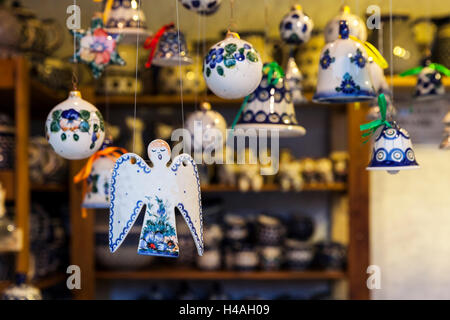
152, 41
372, 126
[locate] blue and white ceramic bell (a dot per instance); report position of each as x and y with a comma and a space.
296, 27
125, 17
343, 71
171, 50
270, 106
392, 150
203, 7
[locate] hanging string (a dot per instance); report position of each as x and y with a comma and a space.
205, 92
391, 56
266, 27
232, 24
179, 63
136, 77
198, 56
74, 67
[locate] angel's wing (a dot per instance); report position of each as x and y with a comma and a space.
188, 199
130, 178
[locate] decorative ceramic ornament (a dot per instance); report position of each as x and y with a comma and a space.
232, 68
75, 128
296, 27
97, 47
172, 49
356, 25
392, 149
343, 71
206, 126
249, 177
270, 106
124, 17
294, 81
160, 188
204, 7
21, 290
289, 173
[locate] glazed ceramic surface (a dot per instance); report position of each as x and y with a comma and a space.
160, 189
172, 50
343, 71
296, 27
211, 123
298, 254
270, 107
98, 184
429, 84
205, 7
294, 81
126, 18
75, 128
356, 25
392, 150
232, 68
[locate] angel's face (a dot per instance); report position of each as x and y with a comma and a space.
159, 151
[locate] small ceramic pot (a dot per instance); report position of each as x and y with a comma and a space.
22, 291
207, 127
270, 258
235, 228
308, 167
343, 73
213, 235
298, 254
330, 256
7, 142
211, 260
75, 128
204, 7
269, 231
301, 228
356, 25
393, 151
296, 27
324, 170
232, 68
340, 165
172, 49
246, 258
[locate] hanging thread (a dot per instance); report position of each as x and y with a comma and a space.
232, 24
179, 63
136, 78
391, 70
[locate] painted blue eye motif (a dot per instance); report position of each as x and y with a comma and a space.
162, 150
153, 150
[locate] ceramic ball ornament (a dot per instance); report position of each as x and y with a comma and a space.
75, 128
356, 26
203, 7
232, 68
296, 27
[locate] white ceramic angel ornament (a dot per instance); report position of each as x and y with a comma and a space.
160, 188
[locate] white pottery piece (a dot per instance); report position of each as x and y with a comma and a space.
296, 27
98, 184
289, 172
429, 84
232, 68
356, 26
127, 19
172, 49
343, 72
294, 81
160, 188
204, 7
75, 128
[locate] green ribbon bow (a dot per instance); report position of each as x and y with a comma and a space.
372, 126
274, 72
435, 66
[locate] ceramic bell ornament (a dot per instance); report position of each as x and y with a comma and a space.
392, 149
356, 26
75, 128
206, 126
203, 7
294, 81
97, 47
167, 48
270, 106
429, 80
343, 71
445, 144
159, 188
296, 27
232, 68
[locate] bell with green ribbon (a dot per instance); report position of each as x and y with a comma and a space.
392, 149
429, 80
270, 106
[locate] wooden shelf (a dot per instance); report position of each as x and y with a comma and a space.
50, 187
337, 187
189, 274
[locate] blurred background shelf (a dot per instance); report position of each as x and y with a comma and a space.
49, 187
337, 187
43, 283
186, 274
7, 180
410, 81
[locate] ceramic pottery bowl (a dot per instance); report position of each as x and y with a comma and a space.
7, 142
246, 257
206, 127
75, 128
392, 150
98, 183
294, 81
120, 84
429, 84
205, 7
298, 254
213, 235
126, 18
301, 228
343, 72
270, 258
232, 68
296, 27
356, 25
22, 291
211, 260
340, 165
169, 52
269, 231
235, 228
330, 256
270, 107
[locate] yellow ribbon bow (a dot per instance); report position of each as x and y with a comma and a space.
107, 10
372, 52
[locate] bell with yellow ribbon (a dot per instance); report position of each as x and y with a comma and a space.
344, 74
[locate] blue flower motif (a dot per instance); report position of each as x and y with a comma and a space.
214, 56
239, 56
359, 59
246, 46
326, 59
348, 86
70, 115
